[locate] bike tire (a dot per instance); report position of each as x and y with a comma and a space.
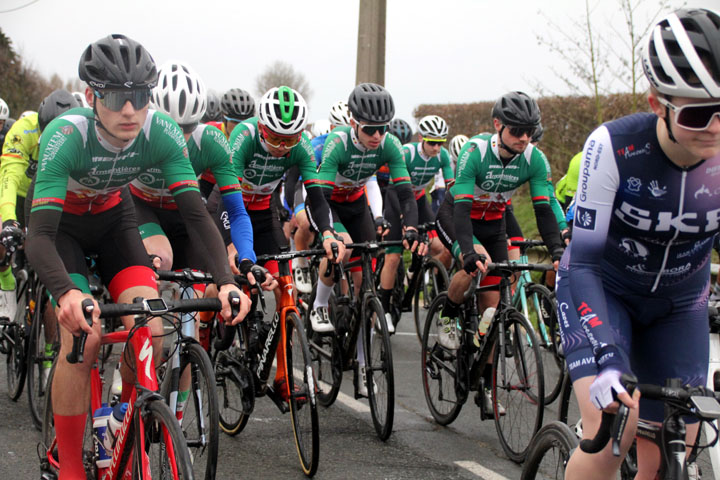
549, 452
161, 430
17, 337
37, 377
327, 364
439, 369
300, 382
517, 386
437, 281
542, 308
200, 422
232, 415
378, 367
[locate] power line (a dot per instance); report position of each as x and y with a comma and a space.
18, 8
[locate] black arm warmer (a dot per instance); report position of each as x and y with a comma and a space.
512, 227
291, 180
204, 235
408, 204
463, 226
42, 254
547, 226
316, 202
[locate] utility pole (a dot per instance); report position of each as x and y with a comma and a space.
371, 42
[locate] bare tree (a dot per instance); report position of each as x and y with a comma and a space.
282, 73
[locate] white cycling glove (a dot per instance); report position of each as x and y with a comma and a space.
603, 386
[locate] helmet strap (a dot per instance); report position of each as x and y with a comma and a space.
503, 145
99, 123
667, 125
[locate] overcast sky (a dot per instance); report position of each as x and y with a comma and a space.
436, 52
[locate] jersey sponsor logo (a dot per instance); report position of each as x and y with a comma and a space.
703, 190
712, 171
697, 246
585, 171
563, 307
487, 185
630, 151
656, 190
52, 148
114, 159
581, 362
688, 222
633, 248
585, 218
634, 184
16, 139
587, 316
67, 129
640, 269
94, 174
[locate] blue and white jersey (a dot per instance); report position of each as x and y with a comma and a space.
317, 145
642, 223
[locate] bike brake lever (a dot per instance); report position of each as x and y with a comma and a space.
618, 427
78, 348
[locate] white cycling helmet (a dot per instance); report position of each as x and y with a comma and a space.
457, 143
339, 114
180, 93
321, 127
681, 56
80, 97
4, 110
283, 110
26, 113
432, 126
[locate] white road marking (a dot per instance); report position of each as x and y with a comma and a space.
479, 470
356, 405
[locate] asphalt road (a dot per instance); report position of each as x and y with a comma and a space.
349, 447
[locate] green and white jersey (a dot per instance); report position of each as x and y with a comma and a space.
208, 150
423, 169
483, 179
347, 165
79, 172
259, 172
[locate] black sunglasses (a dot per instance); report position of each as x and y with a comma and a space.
520, 131
115, 99
373, 129
433, 143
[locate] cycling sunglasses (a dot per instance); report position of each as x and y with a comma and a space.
115, 99
693, 116
434, 141
520, 131
277, 141
373, 129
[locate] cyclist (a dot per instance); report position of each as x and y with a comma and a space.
438, 190
423, 159
263, 149
633, 285
350, 157
80, 205
403, 131
567, 186
303, 237
471, 220
213, 112
237, 106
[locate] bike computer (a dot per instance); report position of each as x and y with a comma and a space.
156, 305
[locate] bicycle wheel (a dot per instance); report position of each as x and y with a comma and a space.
165, 450
549, 452
16, 360
200, 421
327, 364
433, 280
542, 315
236, 394
302, 401
518, 387
378, 367
39, 361
439, 367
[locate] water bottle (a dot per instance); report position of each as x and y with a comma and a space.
113, 426
100, 425
483, 325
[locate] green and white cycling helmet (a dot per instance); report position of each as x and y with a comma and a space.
283, 111
432, 126
180, 93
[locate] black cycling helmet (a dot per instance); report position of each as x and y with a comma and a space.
238, 104
370, 102
53, 105
517, 109
117, 61
213, 113
401, 129
538, 135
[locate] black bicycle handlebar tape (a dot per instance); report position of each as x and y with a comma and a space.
527, 243
111, 310
184, 276
601, 438
541, 267
78, 348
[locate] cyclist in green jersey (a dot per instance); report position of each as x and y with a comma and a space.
424, 159
567, 186
237, 106
471, 221
81, 205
